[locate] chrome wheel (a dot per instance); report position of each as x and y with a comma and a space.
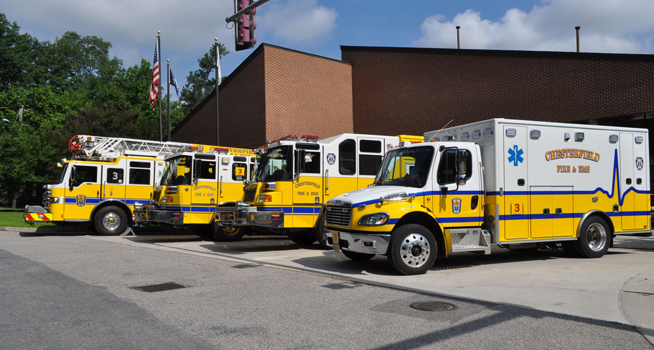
111, 221
415, 250
596, 237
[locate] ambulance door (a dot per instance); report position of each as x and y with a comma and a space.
140, 181
626, 194
516, 183
113, 181
82, 192
371, 152
461, 207
308, 188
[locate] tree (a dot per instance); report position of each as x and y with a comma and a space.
202, 82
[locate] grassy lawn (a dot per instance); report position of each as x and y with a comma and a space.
15, 219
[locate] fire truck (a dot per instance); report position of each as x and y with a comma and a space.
506, 183
193, 184
297, 175
101, 183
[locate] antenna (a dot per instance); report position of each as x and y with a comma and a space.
434, 135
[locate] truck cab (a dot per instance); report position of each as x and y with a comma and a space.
193, 184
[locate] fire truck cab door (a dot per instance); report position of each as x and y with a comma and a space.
82, 191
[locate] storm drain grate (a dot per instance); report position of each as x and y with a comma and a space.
433, 306
436, 268
159, 287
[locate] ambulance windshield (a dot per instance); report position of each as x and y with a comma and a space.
276, 165
178, 171
407, 167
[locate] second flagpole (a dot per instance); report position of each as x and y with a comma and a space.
168, 96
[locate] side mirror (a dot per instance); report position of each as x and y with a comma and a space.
71, 179
196, 170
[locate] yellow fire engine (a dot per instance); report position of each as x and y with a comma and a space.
298, 174
193, 185
101, 183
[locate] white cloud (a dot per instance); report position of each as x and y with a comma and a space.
298, 21
131, 26
623, 26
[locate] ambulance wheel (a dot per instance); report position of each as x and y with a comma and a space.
224, 234
303, 238
110, 221
357, 256
594, 239
412, 249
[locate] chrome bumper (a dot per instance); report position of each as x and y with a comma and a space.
368, 243
245, 215
148, 213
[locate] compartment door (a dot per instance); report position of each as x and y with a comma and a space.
516, 186
641, 185
626, 194
541, 212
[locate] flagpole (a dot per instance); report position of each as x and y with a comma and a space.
159, 92
168, 97
217, 88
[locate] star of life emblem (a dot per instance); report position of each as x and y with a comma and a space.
456, 205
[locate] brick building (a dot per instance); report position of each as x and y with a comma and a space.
277, 91
273, 93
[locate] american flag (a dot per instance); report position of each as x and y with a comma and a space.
154, 91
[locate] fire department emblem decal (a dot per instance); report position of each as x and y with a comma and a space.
639, 163
331, 158
81, 200
456, 205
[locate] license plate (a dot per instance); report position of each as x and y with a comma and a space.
335, 240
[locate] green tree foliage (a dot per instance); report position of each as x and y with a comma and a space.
202, 82
63, 88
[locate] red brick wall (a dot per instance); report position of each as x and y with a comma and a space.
201, 128
409, 92
306, 94
243, 106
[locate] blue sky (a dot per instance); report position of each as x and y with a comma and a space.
321, 26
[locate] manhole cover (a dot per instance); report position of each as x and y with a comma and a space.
433, 306
159, 287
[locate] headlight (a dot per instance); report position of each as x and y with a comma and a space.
374, 219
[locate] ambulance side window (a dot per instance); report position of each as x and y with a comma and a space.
84, 174
139, 173
347, 157
115, 175
311, 163
239, 171
447, 165
207, 170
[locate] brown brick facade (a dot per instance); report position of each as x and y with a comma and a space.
274, 93
410, 91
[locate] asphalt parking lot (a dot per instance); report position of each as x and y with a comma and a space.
266, 292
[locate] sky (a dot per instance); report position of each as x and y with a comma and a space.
320, 27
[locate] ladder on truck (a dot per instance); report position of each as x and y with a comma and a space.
106, 148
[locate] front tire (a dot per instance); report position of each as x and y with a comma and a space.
110, 221
594, 239
224, 234
357, 256
412, 249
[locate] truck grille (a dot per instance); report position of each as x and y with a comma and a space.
338, 215
250, 194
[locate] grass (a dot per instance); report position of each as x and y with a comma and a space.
15, 219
